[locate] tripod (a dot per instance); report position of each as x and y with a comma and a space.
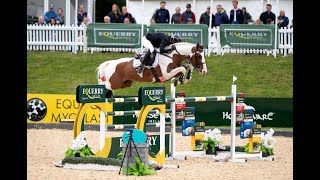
130, 151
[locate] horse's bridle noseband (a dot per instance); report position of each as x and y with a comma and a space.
196, 54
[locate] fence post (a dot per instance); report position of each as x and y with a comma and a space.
85, 48
218, 41
75, 37
275, 41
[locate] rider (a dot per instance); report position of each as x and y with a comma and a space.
155, 40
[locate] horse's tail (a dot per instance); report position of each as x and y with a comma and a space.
100, 72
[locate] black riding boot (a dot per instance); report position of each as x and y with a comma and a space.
145, 60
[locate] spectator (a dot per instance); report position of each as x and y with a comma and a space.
83, 14
60, 19
40, 21
221, 16
152, 21
106, 19
188, 15
269, 21
291, 26
48, 15
190, 21
52, 21
125, 14
205, 17
236, 14
257, 22
162, 14
115, 16
154, 14
126, 20
85, 21
175, 19
246, 16
283, 20
267, 15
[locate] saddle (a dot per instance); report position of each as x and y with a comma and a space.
141, 56
150, 65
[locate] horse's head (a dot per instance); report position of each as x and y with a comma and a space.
197, 59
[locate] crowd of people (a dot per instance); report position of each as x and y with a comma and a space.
162, 15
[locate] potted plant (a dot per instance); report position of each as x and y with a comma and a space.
212, 141
267, 143
79, 147
139, 169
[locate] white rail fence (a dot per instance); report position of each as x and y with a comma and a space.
73, 39
285, 44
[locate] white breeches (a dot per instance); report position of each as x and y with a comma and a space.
147, 44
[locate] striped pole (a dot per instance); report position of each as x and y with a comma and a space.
120, 100
133, 112
170, 99
133, 126
173, 119
233, 122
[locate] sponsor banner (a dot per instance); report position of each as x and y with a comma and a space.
152, 95
154, 142
197, 33
269, 112
114, 35
91, 94
51, 108
244, 36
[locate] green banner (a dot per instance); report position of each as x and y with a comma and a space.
152, 95
269, 112
154, 142
192, 33
91, 93
114, 35
247, 36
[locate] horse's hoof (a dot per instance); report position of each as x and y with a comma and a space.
189, 74
181, 79
109, 94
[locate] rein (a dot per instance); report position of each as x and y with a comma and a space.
188, 60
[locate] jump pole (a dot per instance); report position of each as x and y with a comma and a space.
102, 130
173, 119
233, 119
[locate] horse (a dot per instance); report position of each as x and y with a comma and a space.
120, 73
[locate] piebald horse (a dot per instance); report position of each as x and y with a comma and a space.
117, 74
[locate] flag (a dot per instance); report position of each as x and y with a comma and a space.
234, 78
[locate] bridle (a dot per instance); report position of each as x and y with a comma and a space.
196, 54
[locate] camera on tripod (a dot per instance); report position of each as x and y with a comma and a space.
129, 139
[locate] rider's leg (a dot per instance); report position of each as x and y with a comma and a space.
148, 56
147, 44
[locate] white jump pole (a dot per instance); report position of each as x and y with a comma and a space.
102, 129
233, 119
162, 132
173, 119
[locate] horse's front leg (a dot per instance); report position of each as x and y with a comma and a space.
174, 72
189, 73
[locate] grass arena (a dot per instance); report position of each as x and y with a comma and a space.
46, 146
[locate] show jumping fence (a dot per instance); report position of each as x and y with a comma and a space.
172, 99
73, 38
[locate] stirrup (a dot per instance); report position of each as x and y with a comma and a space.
139, 69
